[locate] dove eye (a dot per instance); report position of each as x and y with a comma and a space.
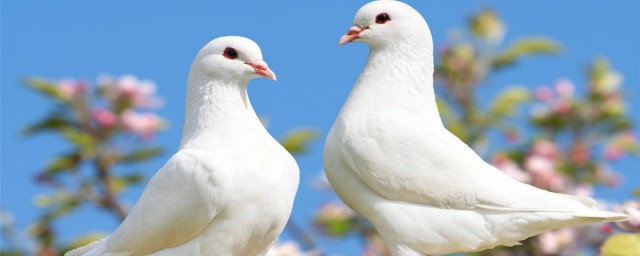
230, 53
382, 18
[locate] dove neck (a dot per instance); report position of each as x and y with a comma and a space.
215, 109
397, 76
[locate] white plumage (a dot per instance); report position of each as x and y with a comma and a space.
230, 187
389, 157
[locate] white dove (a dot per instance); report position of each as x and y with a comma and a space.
389, 157
230, 187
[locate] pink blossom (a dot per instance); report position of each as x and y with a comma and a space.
607, 176
538, 164
629, 135
375, 247
70, 89
543, 174
561, 107
583, 190
145, 124
553, 242
333, 213
332, 210
581, 154
104, 117
564, 88
545, 148
633, 223
612, 152
285, 249
140, 93
543, 93
511, 168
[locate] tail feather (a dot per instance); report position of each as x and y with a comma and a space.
601, 216
588, 202
555, 220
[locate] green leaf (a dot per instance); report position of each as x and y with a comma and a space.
451, 120
459, 130
599, 68
506, 103
446, 111
65, 203
45, 87
58, 198
622, 245
140, 155
636, 192
55, 121
487, 25
65, 162
79, 138
524, 47
12, 252
339, 227
296, 142
120, 183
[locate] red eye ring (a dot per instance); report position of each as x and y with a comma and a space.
230, 53
382, 18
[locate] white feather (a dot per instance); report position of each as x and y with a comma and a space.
230, 187
389, 157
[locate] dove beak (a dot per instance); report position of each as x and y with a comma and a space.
261, 68
351, 35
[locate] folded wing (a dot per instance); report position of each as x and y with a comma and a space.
179, 202
404, 157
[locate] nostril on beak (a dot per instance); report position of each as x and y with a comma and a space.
258, 65
261, 68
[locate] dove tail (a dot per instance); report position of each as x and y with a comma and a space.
594, 215
600, 216
582, 218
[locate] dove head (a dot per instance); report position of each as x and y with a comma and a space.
231, 58
387, 23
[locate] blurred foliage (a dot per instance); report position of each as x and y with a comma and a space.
622, 245
524, 47
101, 135
296, 141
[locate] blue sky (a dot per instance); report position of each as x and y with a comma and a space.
157, 40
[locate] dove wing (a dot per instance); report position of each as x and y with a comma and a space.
405, 157
178, 203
